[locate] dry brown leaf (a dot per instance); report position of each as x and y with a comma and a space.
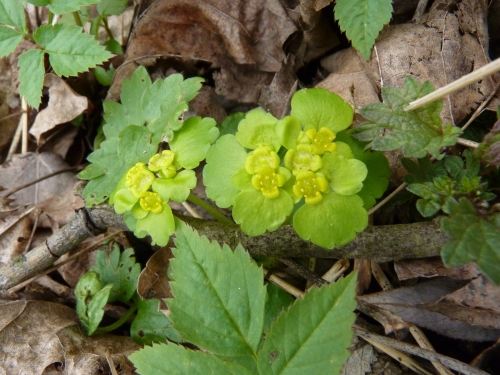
64, 106
153, 280
14, 240
360, 362
243, 38
418, 305
432, 267
36, 334
22, 169
363, 266
448, 44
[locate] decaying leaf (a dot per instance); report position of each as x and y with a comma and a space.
64, 106
36, 334
432, 267
153, 280
22, 169
13, 241
423, 306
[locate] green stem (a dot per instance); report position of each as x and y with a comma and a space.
119, 322
77, 18
106, 27
210, 209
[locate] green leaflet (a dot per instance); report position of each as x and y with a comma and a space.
12, 14
31, 72
70, 51
219, 295
68, 6
473, 239
258, 128
121, 270
362, 21
132, 91
112, 7
9, 39
417, 132
313, 335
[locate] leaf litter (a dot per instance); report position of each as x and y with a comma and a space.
246, 59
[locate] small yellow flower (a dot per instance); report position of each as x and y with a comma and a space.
310, 186
139, 180
262, 157
151, 202
163, 162
268, 182
302, 159
321, 141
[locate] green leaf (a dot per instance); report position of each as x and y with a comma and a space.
333, 221
112, 7
151, 325
362, 21
174, 359
277, 301
317, 108
473, 239
31, 73
9, 39
257, 214
133, 89
192, 142
220, 169
257, 128
120, 269
230, 124
416, 132
70, 51
159, 226
377, 180
312, 337
103, 76
288, 130
91, 297
12, 14
346, 175
164, 103
68, 6
176, 188
118, 153
219, 295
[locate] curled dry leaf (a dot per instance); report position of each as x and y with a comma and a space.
22, 169
64, 106
421, 305
36, 334
432, 267
153, 280
243, 39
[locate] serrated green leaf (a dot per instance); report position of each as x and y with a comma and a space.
12, 14
317, 108
332, 222
112, 7
68, 6
174, 359
120, 269
312, 337
362, 21
473, 239
9, 39
277, 301
220, 169
192, 142
219, 295
257, 214
377, 180
133, 89
70, 51
151, 325
416, 132
31, 73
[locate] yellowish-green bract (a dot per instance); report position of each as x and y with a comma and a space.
293, 170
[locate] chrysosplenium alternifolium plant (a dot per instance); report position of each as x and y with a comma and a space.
272, 171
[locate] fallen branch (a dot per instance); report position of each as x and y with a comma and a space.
380, 243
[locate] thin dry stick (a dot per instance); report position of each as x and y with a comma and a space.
467, 143
17, 137
452, 363
387, 199
191, 210
90, 247
419, 12
297, 293
24, 121
479, 109
476, 75
334, 272
400, 357
416, 332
